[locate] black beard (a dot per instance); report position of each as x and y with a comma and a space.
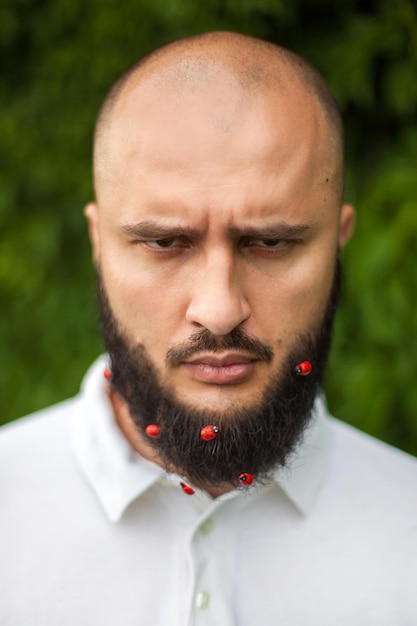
252, 439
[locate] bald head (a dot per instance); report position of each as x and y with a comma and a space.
235, 66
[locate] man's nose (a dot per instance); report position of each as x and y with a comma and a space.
218, 302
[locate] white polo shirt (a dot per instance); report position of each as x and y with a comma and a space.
92, 534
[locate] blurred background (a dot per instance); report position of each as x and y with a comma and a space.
59, 57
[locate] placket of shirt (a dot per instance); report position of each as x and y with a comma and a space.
208, 563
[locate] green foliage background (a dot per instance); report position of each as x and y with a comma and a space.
59, 58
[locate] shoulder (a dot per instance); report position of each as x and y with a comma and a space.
52, 427
31, 428
365, 473
36, 446
364, 451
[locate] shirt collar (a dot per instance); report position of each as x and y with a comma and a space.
302, 478
115, 471
119, 475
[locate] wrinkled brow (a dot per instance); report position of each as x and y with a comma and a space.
154, 230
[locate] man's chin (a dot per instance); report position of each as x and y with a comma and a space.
224, 401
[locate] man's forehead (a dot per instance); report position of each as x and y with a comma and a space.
176, 93
208, 87
236, 69
165, 120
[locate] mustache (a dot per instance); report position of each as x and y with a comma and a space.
205, 341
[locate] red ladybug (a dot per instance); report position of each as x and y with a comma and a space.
303, 369
107, 373
209, 432
153, 430
246, 479
187, 489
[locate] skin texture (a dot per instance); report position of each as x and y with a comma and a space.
217, 206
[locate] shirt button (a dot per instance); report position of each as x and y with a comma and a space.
206, 527
202, 600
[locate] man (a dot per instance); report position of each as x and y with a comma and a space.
208, 484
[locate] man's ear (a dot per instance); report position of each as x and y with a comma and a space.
346, 223
91, 213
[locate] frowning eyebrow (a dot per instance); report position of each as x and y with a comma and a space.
278, 230
152, 230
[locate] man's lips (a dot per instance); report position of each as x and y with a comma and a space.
221, 369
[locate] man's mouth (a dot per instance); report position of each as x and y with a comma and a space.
221, 369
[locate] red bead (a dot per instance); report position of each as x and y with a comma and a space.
304, 368
153, 430
107, 373
246, 479
209, 432
187, 489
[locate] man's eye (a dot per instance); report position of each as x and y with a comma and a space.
165, 243
274, 244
